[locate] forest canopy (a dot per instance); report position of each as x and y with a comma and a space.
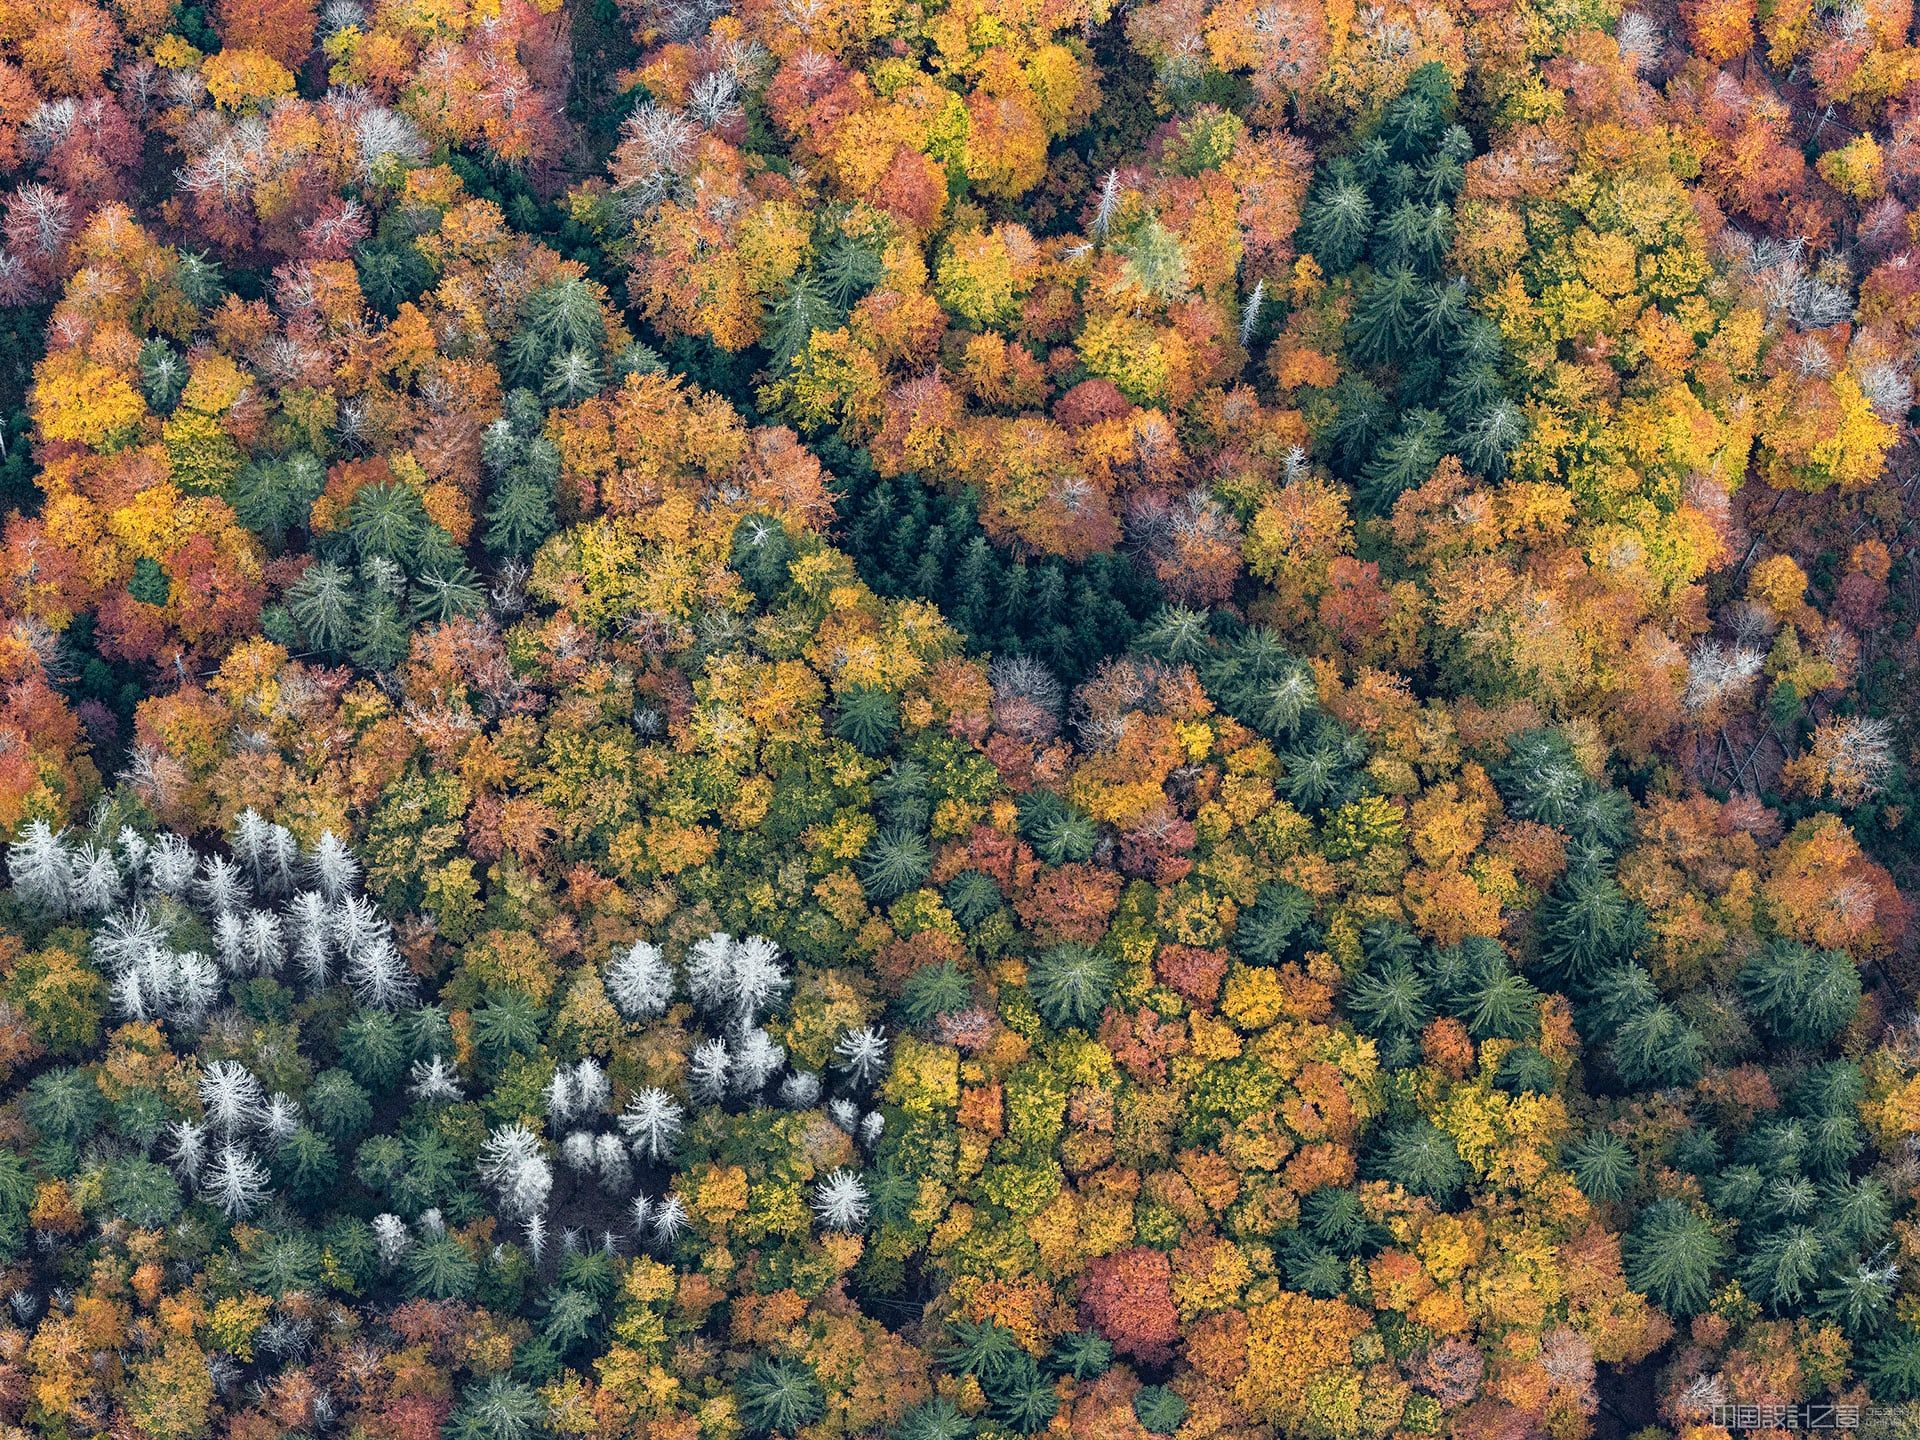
725, 719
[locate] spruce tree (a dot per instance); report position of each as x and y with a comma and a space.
1673, 1256
1071, 984
1602, 1166
1800, 996
1337, 219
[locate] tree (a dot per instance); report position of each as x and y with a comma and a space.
1673, 1256
1584, 924
1083, 1354
1420, 1157
867, 719
984, 1349
1128, 1298
1158, 1409
895, 862
778, 1395
1655, 1046
1071, 984
1602, 1166
935, 990
1337, 219
441, 1268
499, 1408
1798, 995
935, 1419
1022, 1398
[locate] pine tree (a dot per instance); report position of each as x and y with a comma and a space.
379, 632
64, 1104
1783, 1266
1585, 925
322, 604
1415, 236
1654, 1047
1337, 1218
1276, 927
1158, 1409
149, 583
1496, 1004
1386, 316
272, 497
1404, 460
373, 1050
441, 593
933, 991
761, 555
1337, 219
520, 516
897, 860
506, 1024
1083, 1354
1489, 437
1419, 1157
803, 307
1022, 1398
1389, 999
339, 1107
571, 376
385, 521
935, 1419
163, 375
1860, 1298
1524, 1070
498, 1408
1361, 419
971, 897
868, 718
1059, 834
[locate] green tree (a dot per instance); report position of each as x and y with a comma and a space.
1071, 984
440, 1268
778, 1395
1420, 1157
498, 1408
1603, 1167
1800, 996
1673, 1256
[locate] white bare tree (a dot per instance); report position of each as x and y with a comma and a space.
840, 1200
511, 1162
651, 1122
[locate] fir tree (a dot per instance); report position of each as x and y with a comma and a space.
896, 861
1419, 1157
1337, 219
868, 718
933, 991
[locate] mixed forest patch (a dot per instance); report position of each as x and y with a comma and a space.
734, 718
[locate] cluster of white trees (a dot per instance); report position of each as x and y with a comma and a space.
732, 985
272, 908
218, 1153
